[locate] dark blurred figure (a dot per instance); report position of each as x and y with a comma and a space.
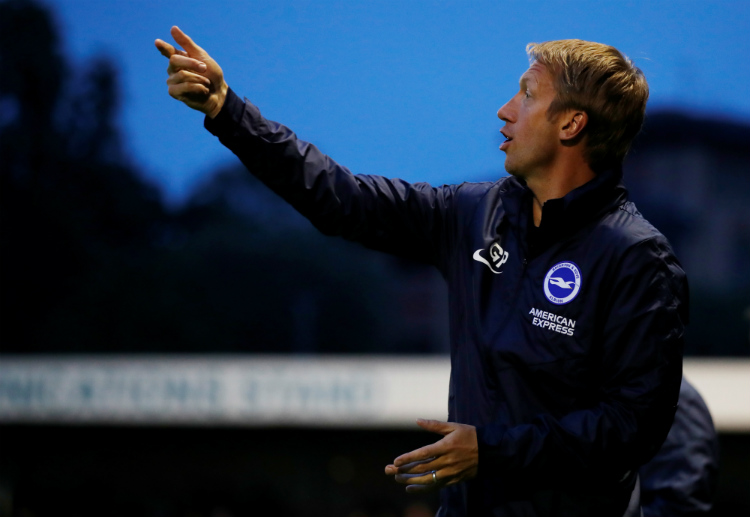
680, 481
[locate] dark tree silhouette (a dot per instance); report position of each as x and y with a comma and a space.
67, 203
92, 261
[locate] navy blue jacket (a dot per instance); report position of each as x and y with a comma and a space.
566, 340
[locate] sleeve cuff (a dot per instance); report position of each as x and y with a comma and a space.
229, 116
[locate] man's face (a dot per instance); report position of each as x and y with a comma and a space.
532, 139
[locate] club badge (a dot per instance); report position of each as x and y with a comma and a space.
562, 283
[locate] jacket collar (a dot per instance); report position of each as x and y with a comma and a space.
563, 216
588, 202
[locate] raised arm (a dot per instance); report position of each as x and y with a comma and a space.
391, 215
194, 77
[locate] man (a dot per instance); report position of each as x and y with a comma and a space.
567, 308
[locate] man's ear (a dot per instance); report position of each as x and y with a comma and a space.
572, 124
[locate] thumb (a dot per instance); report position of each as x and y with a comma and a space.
185, 42
436, 426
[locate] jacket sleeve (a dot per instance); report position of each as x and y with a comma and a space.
411, 220
637, 367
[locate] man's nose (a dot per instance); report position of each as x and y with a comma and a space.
505, 113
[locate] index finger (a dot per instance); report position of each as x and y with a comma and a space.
185, 41
428, 452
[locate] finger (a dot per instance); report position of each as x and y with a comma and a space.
185, 42
178, 62
436, 426
415, 479
423, 453
416, 468
426, 483
420, 467
166, 49
187, 91
185, 76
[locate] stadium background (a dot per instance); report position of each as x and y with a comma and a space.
144, 275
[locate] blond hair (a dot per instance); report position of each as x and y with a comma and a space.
604, 83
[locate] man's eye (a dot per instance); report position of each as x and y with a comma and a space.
527, 94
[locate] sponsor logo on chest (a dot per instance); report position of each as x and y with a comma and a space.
561, 285
552, 321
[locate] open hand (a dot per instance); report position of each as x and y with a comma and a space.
194, 78
453, 459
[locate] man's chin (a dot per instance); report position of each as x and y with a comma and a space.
513, 171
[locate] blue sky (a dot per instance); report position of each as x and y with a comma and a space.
405, 88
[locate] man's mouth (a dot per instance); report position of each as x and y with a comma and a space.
505, 143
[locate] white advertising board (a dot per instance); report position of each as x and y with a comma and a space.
246, 390
314, 391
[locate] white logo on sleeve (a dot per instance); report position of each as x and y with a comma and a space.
562, 283
498, 257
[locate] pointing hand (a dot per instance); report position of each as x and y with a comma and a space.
194, 77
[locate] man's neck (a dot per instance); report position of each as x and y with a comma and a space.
555, 183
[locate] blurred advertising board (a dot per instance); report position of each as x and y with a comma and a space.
249, 390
